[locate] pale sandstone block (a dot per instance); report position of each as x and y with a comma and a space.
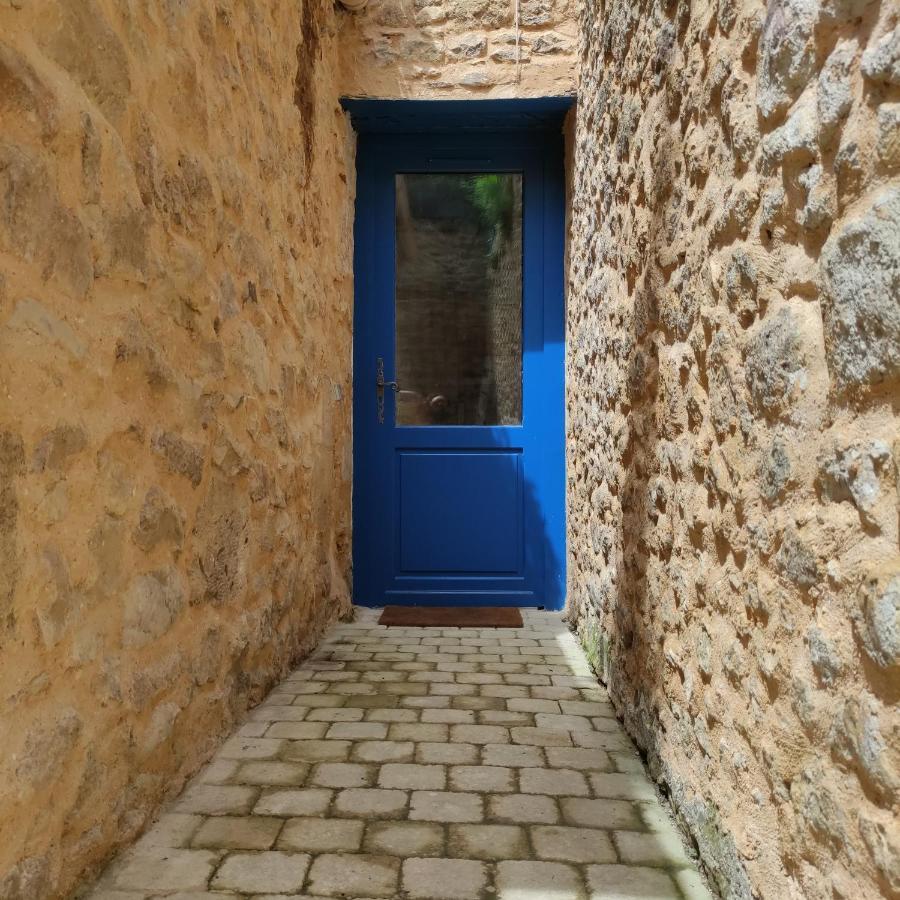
342, 775
271, 870
556, 782
357, 731
279, 713
425, 703
560, 722
412, 776
405, 838
449, 716
446, 753
527, 880
335, 714
479, 734
625, 787
171, 830
481, 779
367, 803
629, 883
418, 732
577, 845
165, 870
296, 731
216, 800
317, 751
578, 758
383, 751
656, 848
540, 737
305, 802
219, 771
511, 755
505, 718
446, 806
354, 875
477, 702
529, 705
601, 813
444, 879
251, 748
321, 835
602, 740
525, 808
237, 833
488, 842
272, 773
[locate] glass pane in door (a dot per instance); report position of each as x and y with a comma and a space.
459, 299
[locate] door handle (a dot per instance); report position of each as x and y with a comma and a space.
380, 385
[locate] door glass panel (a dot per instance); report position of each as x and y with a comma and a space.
459, 299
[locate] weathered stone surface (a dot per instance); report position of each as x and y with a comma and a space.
732, 338
152, 603
861, 283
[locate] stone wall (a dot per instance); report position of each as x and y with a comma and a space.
175, 313
733, 375
441, 49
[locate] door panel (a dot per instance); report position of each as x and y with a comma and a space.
458, 379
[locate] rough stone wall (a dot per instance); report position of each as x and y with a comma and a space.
175, 308
441, 49
733, 376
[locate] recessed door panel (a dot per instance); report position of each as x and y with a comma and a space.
460, 513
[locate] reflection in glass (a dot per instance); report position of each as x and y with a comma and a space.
459, 299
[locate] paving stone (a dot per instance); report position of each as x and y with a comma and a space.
251, 748
418, 732
505, 718
321, 835
317, 751
354, 875
528, 880
560, 722
626, 787
237, 833
481, 778
540, 737
216, 800
446, 753
306, 802
412, 777
335, 714
692, 885
279, 714
341, 775
478, 703
444, 879
577, 845
449, 716
367, 803
525, 808
383, 751
405, 838
219, 771
271, 870
479, 734
295, 731
446, 806
165, 870
392, 715
578, 758
629, 883
656, 848
601, 740
556, 782
271, 773
600, 813
511, 755
171, 830
488, 842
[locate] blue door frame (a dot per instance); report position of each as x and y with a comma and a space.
463, 514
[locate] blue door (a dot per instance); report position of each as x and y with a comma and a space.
459, 458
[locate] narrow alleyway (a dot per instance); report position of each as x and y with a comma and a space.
420, 763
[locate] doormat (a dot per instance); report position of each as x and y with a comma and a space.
452, 616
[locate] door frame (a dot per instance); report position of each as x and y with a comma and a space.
535, 127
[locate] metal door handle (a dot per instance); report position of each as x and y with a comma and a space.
380, 385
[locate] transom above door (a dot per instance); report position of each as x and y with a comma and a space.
458, 367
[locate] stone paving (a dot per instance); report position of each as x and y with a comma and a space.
423, 764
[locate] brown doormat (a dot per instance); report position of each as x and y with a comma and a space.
452, 616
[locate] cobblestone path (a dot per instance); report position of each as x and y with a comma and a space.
423, 764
